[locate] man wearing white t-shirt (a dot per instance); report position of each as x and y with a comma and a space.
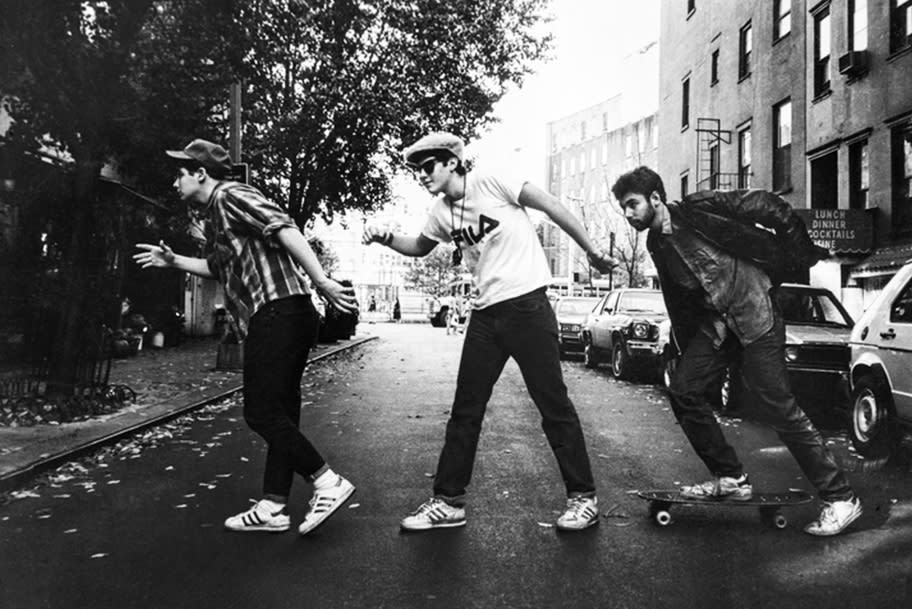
485, 217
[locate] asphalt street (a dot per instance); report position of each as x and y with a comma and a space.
139, 524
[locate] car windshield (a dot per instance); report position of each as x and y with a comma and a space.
642, 302
575, 306
801, 307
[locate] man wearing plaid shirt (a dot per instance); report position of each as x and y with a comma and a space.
256, 251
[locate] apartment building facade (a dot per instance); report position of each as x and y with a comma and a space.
587, 151
811, 100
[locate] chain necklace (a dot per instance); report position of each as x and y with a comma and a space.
457, 253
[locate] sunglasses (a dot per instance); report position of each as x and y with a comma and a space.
427, 167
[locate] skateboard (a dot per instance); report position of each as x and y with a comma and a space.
769, 504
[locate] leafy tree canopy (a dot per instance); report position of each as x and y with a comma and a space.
432, 273
332, 89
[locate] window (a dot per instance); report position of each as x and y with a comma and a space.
714, 166
655, 136
744, 158
604, 153
901, 309
822, 51
685, 103
858, 25
628, 145
684, 184
782, 18
583, 131
858, 175
745, 46
782, 146
902, 181
714, 68
900, 24
604, 121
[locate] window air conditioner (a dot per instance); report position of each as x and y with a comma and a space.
853, 63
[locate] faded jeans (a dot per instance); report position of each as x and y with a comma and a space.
763, 365
525, 329
275, 354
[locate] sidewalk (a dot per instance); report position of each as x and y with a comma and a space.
168, 383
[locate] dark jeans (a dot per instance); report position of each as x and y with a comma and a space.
525, 329
275, 353
763, 365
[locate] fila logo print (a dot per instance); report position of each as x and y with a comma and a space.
486, 226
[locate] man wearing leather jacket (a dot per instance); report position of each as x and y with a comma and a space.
718, 255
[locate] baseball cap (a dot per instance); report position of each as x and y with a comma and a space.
431, 143
211, 156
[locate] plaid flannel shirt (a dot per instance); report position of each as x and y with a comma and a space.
243, 253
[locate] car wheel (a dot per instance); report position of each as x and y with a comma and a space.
873, 431
590, 356
620, 362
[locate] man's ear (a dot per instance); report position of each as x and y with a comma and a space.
201, 174
655, 198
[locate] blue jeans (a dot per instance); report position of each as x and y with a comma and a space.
525, 329
702, 367
275, 354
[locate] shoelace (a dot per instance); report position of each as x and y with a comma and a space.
828, 514
577, 506
428, 506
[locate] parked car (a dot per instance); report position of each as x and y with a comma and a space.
817, 329
571, 312
624, 328
881, 369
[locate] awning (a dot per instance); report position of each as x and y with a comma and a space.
884, 260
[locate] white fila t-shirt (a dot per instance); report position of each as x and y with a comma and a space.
496, 236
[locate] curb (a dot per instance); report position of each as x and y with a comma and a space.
11, 480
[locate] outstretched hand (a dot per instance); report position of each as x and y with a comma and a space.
341, 297
602, 262
373, 234
154, 255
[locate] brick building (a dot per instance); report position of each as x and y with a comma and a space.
812, 100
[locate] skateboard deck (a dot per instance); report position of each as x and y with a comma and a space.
768, 504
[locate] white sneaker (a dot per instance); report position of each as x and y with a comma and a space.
434, 514
724, 487
324, 503
835, 517
261, 517
581, 513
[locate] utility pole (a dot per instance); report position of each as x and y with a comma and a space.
234, 137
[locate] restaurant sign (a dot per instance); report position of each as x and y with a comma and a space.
845, 231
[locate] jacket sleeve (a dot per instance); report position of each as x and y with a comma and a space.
772, 212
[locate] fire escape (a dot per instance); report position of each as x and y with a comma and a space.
710, 137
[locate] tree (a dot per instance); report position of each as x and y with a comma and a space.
432, 273
333, 89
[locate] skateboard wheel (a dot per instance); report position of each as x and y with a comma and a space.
779, 521
663, 518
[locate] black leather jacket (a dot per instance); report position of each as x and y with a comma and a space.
732, 221
742, 237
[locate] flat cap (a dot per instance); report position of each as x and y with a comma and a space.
211, 156
440, 141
